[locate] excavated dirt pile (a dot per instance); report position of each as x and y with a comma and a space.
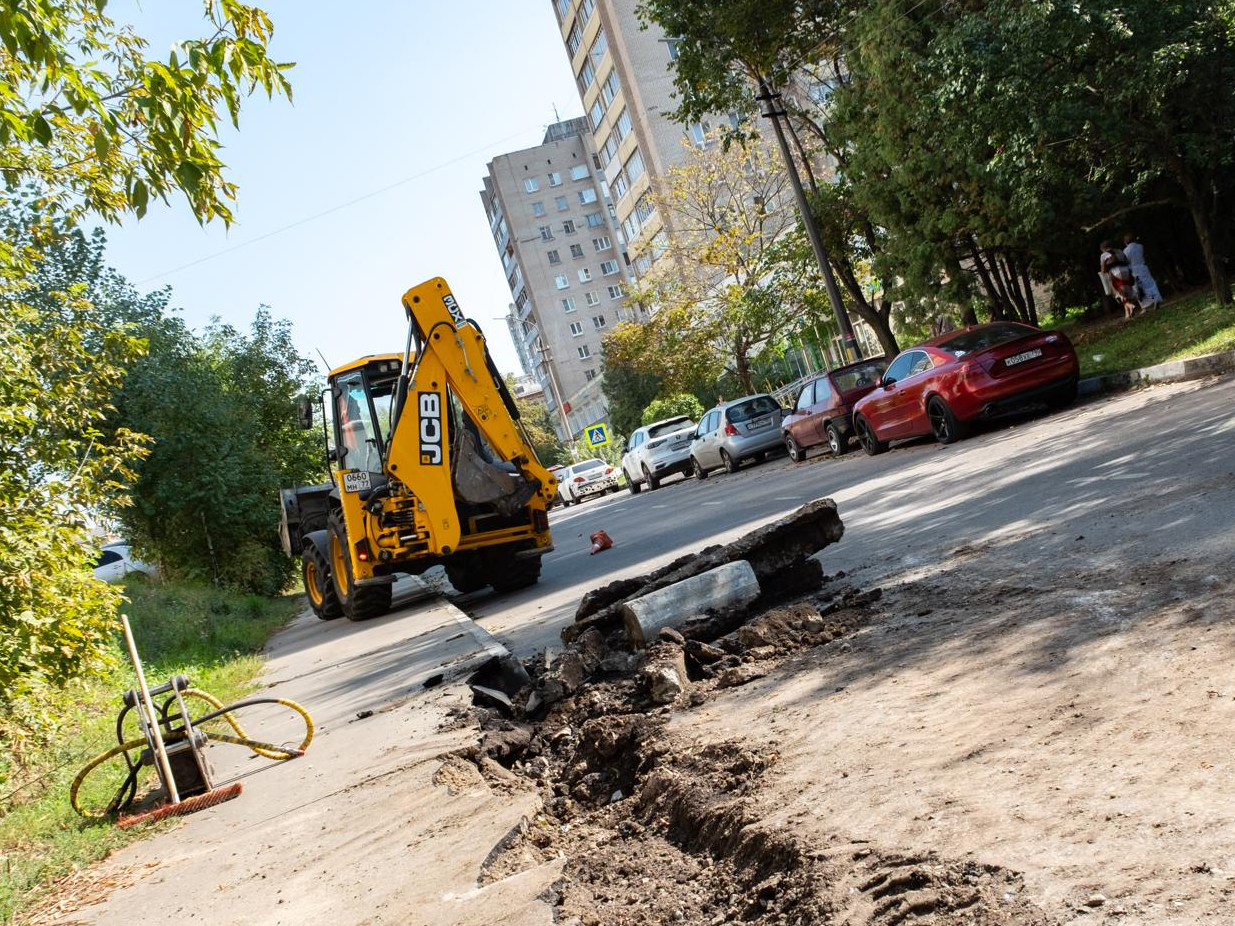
657, 828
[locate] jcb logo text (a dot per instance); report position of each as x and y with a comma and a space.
430, 428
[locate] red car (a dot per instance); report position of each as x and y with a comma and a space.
946, 384
822, 411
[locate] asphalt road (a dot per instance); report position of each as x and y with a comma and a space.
1054, 475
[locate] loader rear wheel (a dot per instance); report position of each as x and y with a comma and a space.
359, 603
318, 587
509, 573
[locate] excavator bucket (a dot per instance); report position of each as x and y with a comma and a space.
479, 481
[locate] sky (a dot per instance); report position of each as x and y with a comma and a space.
405, 100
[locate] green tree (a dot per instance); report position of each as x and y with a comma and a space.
537, 425
628, 388
670, 406
736, 276
92, 126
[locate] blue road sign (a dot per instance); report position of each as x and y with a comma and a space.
598, 435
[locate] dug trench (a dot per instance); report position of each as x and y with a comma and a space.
654, 826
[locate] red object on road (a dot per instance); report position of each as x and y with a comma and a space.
944, 385
600, 541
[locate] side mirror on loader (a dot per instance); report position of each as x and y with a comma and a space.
304, 412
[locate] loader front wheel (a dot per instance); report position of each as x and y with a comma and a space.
318, 587
359, 603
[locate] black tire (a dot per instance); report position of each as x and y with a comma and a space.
797, 453
946, 427
731, 465
838, 444
509, 574
700, 472
867, 438
466, 573
318, 588
761, 456
1063, 397
652, 481
632, 484
359, 604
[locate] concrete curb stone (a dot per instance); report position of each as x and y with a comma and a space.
1173, 371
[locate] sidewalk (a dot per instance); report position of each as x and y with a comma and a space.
1173, 371
369, 827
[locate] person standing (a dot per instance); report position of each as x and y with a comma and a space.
1135, 252
1117, 272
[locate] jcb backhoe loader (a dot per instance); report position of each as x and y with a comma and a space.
429, 466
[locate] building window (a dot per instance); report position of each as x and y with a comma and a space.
563, 7
596, 114
619, 186
608, 149
538, 209
587, 197
634, 166
594, 220
585, 10
584, 352
644, 209
546, 233
609, 89
608, 268
585, 274
576, 250
660, 244
561, 281
616, 292
575, 39
643, 263
587, 74
568, 304
591, 297
622, 125
630, 227
672, 46
554, 257
579, 172
600, 45
531, 185
602, 243
555, 179
576, 329
589, 374
561, 203
598, 321
568, 227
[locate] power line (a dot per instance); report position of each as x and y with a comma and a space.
332, 209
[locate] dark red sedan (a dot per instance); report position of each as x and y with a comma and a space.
821, 413
944, 385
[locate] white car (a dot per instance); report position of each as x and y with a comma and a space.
657, 450
116, 561
585, 478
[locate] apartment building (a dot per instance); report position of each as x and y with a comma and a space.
553, 228
626, 85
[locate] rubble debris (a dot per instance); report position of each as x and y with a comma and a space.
731, 586
492, 696
664, 673
563, 677
777, 552
739, 675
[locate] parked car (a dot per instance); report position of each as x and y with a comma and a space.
657, 450
116, 561
584, 479
823, 410
736, 431
944, 385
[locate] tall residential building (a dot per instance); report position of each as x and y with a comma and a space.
552, 224
624, 79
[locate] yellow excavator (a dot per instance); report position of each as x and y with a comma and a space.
429, 466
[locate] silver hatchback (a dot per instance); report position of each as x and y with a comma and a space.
736, 431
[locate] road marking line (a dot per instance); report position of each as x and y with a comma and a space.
709, 504
789, 498
660, 506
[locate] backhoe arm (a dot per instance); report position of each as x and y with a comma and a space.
425, 454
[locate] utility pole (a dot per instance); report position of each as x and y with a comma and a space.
546, 358
776, 113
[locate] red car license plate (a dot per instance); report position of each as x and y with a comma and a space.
1022, 357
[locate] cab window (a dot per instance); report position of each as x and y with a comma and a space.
358, 438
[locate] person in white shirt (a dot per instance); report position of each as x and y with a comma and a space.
1135, 252
1116, 270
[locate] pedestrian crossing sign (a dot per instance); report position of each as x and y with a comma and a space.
598, 435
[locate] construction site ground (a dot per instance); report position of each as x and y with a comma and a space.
1031, 724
